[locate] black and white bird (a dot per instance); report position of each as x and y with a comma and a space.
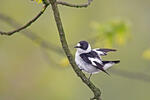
90, 61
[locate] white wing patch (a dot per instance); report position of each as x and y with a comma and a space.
94, 59
100, 53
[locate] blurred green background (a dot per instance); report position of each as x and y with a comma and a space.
29, 72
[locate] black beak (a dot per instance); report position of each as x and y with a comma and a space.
76, 47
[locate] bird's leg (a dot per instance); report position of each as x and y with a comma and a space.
81, 69
90, 76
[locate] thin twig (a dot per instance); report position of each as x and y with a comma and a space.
66, 49
26, 25
31, 35
75, 5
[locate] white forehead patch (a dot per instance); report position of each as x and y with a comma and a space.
78, 45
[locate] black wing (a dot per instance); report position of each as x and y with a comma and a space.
99, 66
86, 56
106, 50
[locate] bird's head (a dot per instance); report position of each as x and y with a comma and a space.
83, 47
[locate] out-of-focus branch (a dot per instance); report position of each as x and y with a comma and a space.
132, 75
49, 59
66, 49
75, 5
26, 25
31, 35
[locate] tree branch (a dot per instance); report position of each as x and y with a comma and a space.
31, 35
26, 25
75, 5
80, 74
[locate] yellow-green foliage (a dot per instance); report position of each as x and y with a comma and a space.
38, 1
112, 32
64, 62
146, 54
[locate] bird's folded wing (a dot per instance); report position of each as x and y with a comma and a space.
90, 57
94, 61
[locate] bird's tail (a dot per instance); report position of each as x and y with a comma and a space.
108, 64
